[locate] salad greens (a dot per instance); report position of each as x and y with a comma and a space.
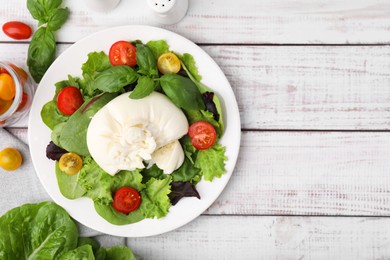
46, 231
100, 83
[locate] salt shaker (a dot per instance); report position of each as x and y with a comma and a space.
102, 5
168, 11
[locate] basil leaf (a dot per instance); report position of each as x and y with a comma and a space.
115, 78
147, 64
40, 9
36, 9
144, 87
41, 53
182, 92
57, 18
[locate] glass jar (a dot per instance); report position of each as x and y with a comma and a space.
14, 109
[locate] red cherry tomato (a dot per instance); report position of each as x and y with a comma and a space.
126, 200
17, 30
123, 53
202, 134
69, 100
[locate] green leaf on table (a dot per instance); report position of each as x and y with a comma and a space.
37, 231
41, 53
83, 252
57, 18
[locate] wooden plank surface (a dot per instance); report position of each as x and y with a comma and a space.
231, 21
297, 87
306, 173
250, 237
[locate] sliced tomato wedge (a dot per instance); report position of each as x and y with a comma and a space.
202, 134
123, 53
126, 200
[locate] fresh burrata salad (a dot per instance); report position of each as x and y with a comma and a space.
136, 132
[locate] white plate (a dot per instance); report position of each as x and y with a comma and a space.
69, 63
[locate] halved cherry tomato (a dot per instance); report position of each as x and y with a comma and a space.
69, 100
70, 163
17, 30
168, 63
123, 53
10, 159
126, 200
202, 134
7, 87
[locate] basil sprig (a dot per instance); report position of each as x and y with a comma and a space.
42, 49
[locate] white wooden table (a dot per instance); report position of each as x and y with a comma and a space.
312, 80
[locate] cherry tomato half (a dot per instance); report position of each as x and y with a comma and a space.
123, 53
70, 163
168, 63
7, 87
202, 134
126, 200
69, 100
10, 159
17, 30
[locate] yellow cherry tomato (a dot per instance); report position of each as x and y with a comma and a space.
10, 159
168, 63
70, 163
4, 105
7, 87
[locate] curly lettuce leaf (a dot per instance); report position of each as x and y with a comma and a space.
155, 199
100, 186
158, 47
211, 162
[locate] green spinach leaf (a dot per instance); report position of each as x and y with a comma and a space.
69, 184
51, 116
73, 137
182, 92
